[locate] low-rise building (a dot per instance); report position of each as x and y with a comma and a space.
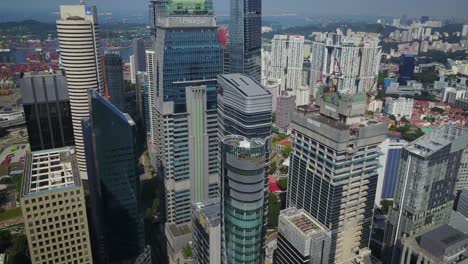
400, 107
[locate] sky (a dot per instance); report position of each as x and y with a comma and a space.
458, 8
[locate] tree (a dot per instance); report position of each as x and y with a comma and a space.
187, 250
273, 167
273, 211
5, 240
287, 150
283, 183
281, 136
18, 252
438, 110
403, 119
273, 117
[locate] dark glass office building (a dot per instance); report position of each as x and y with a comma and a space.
113, 178
47, 110
138, 46
114, 83
245, 38
406, 71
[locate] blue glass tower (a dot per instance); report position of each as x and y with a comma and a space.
188, 59
245, 37
111, 157
407, 63
114, 82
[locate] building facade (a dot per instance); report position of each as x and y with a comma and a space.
114, 180
399, 107
388, 173
333, 170
54, 208
114, 87
462, 181
284, 108
301, 239
242, 199
287, 61
406, 70
138, 46
80, 56
207, 233
426, 182
47, 110
348, 64
245, 38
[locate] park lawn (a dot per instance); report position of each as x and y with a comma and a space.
11, 213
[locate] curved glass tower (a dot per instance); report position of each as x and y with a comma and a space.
243, 171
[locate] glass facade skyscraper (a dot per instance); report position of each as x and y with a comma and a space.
113, 178
188, 58
245, 38
406, 70
242, 199
113, 80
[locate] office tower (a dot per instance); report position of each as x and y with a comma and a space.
187, 63
54, 208
399, 107
348, 64
80, 55
138, 46
301, 238
131, 59
114, 87
462, 204
245, 109
426, 183
442, 245
114, 180
207, 233
406, 70
333, 168
287, 61
223, 36
141, 94
242, 199
462, 179
47, 110
284, 107
273, 86
388, 174
424, 19
245, 38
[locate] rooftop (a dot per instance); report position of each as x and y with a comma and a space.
245, 84
441, 242
301, 220
436, 140
179, 230
209, 213
49, 170
243, 142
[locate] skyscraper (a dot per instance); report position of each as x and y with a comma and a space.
388, 173
245, 109
47, 110
138, 46
284, 108
113, 80
151, 93
462, 179
207, 233
426, 182
301, 238
333, 169
188, 58
406, 70
242, 199
113, 179
245, 38
80, 56
287, 61
348, 64
54, 208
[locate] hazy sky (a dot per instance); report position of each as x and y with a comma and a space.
303, 7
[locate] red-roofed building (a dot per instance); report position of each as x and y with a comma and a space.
283, 143
273, 184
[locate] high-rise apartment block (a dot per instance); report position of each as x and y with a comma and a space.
114, 87
47, 110
242, 199
426, 183
348, 64
207, 233
333, 169
285, 106
287, 61
113, 181
80, 56
399, 107
54, 208
245, 38
188, 59
301, 238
